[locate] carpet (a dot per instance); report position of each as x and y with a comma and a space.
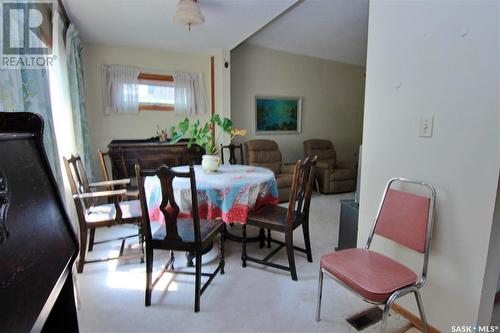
251, 299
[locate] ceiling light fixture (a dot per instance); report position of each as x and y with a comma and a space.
189, 13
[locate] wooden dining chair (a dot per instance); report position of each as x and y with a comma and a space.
132, 191
286, 220
92, 215
102, 162
80, 178
404, 218
232, 153
178, 234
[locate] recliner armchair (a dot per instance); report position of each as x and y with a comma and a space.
266, 153
333, 176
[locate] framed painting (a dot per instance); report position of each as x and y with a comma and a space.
277, 115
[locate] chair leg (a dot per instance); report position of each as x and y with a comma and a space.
397, 294
290, 254
141, 242
149, 273
91, 239
244, 246
385, 314
420, 305
197, 290
269, 238
320, 291
307, 240
222, 261
172, 259
83, 249
262, 238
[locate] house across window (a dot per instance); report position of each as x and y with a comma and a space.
156, 92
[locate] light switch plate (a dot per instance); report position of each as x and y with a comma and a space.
425, 126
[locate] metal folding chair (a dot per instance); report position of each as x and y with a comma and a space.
404, 218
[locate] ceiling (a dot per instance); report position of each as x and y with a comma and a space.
327, 29
148, 23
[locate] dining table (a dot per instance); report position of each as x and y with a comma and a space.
229, 194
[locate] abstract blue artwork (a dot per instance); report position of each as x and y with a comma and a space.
277, 115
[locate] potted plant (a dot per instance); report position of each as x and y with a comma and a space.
162, 134
202, 135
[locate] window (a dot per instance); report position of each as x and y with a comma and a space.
156, 92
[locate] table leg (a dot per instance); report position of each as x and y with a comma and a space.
244, 247
189, 259
191, 255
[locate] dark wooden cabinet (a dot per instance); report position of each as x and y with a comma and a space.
37, 243
151, 154
348, 227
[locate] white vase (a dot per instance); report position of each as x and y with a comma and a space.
210, 163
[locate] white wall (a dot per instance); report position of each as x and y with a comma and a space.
332, 105
104, 128
222, 83
439, 58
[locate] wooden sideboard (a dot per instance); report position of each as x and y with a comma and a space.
151, 154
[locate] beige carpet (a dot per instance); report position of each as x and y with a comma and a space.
251, 299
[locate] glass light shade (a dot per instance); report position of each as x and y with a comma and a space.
188, 13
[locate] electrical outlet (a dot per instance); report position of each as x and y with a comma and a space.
425, 126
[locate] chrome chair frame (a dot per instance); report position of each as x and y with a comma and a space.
405, 290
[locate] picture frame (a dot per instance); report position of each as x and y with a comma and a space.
278, 115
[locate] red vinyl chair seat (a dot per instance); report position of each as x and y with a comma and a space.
372, 275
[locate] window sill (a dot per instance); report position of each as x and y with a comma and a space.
153, 107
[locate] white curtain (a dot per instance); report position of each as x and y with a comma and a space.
27, 90
61, 102
122, 89
74, 51
190, 98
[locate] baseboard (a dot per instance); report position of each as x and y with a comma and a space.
415, 320
497, 297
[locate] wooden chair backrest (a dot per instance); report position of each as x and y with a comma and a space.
104, 166
168, 206
301, 191
78, 185
306, 186
78, 179
232, 153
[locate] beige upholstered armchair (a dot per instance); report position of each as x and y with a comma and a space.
333, 176
265, 153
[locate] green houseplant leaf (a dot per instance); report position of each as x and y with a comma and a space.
202, 134
178, 133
